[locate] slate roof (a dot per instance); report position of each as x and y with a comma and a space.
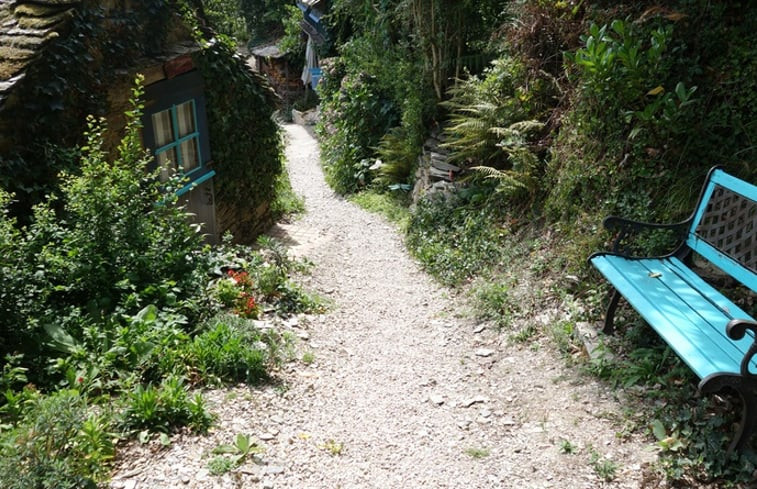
25, 27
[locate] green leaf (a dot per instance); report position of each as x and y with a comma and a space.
225, 448
61, 340
148, 315
658, 430
243, 443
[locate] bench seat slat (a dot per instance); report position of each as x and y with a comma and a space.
676, 305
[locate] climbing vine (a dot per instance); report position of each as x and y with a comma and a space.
95, 52
69, 81
247, 147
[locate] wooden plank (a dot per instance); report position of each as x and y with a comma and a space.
723, 262
697, 336
708, 308
735, 184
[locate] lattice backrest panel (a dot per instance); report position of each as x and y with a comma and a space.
730, 224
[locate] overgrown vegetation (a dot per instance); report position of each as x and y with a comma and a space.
588, 109
113, 312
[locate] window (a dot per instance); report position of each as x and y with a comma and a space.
176, 129
177, 139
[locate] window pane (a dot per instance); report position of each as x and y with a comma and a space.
162, 128
189, 155
167, 163
185, 118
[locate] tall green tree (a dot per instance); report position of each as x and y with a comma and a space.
264, 17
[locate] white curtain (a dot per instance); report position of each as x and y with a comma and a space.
311, 61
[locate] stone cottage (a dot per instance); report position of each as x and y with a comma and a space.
63, 59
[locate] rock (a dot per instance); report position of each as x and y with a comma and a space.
267, 436
478, 329
274, 470
436, 399
484, 352
473, 400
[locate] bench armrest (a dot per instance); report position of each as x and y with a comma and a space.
736, 329
628, 228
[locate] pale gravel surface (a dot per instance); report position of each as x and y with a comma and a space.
402, 385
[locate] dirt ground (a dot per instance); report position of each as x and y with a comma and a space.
399, 388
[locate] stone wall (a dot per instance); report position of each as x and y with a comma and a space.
434, 173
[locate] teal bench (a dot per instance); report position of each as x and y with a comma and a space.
710, 333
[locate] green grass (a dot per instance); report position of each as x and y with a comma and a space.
391, 206
477, 453
287, 202
604, 467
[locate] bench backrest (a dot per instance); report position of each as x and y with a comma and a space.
724, 226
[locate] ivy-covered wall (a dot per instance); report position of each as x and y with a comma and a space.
88, 67
97, 45
245, 141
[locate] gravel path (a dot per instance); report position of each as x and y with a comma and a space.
403, 391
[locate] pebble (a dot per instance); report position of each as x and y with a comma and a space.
436, 399
473, 400
484, 352
274, 470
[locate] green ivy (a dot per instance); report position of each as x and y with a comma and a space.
69, 81
245, 140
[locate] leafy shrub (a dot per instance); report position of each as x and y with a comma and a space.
399, 154
246, 141
273, 280
287, 202
164, 408
481, 107
633, 114
491, 129
117, 245
353, 121
493, 301
224, 16
227, 353
59, 443
105, 358
452, 240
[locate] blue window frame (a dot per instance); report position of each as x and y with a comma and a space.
175, 129
177, 140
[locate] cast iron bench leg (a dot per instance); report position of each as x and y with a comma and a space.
609, 327
746, 389
748, 421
